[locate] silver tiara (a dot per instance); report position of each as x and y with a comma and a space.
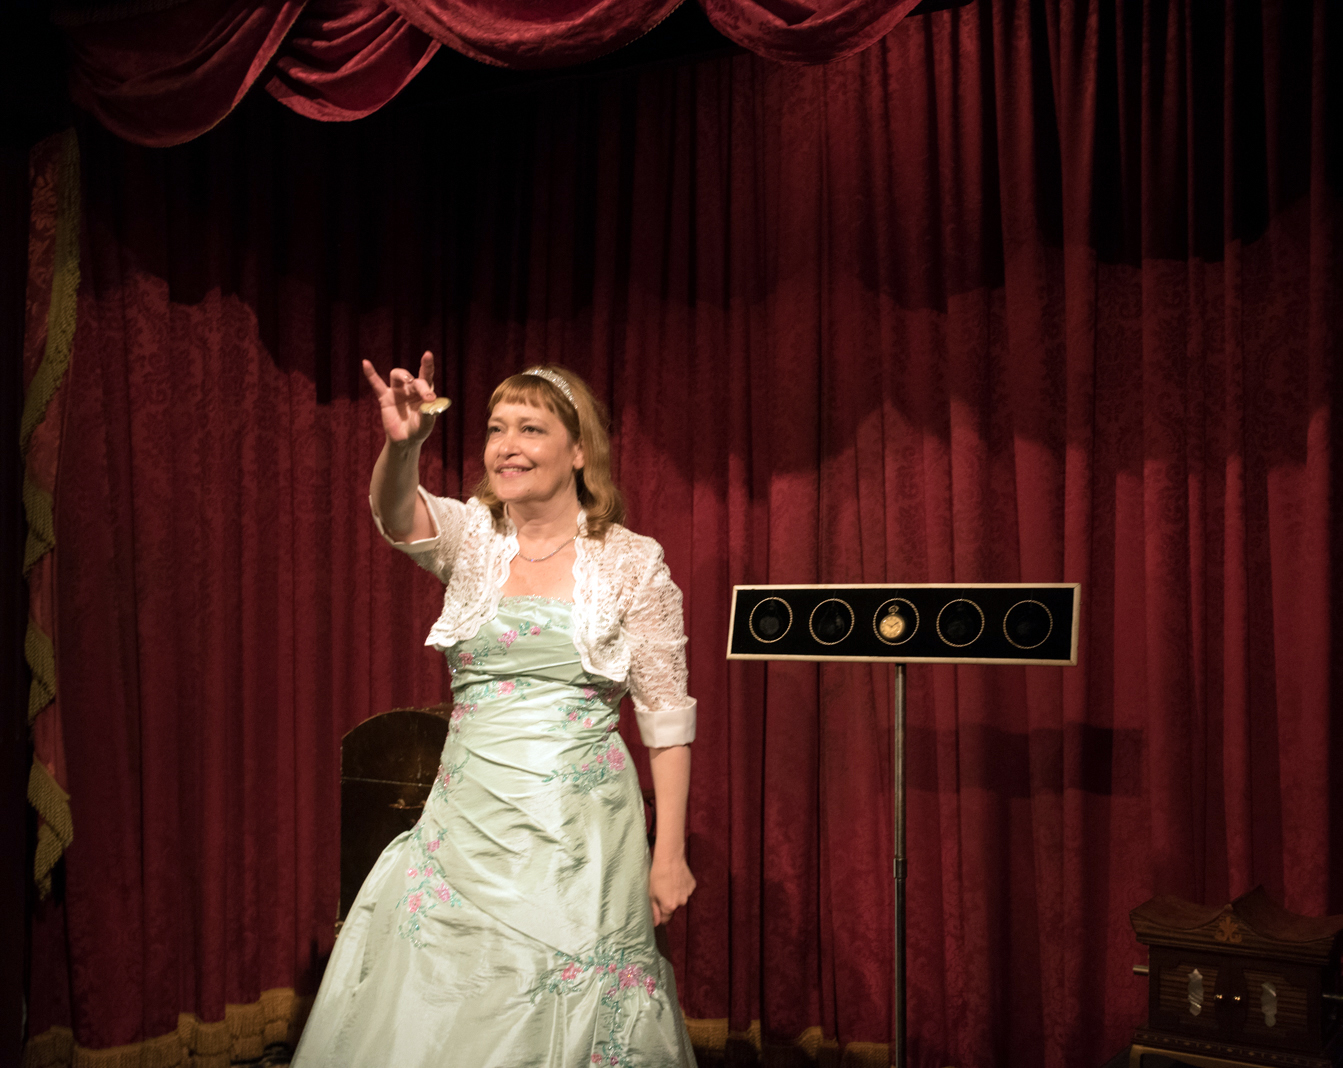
556, 380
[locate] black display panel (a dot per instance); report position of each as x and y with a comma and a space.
968, 624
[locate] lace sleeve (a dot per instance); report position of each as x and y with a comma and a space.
655, 634
439, 553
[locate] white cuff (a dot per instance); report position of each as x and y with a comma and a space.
421, 546
660, 727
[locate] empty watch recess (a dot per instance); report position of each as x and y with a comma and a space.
960, 623
1028, 624
770, 620
831, 621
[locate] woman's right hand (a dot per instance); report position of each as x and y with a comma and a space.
400, 400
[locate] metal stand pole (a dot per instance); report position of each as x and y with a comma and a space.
898, 782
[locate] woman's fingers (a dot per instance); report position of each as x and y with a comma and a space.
666, 899
402, 398
374, 379
404, 387
401, 379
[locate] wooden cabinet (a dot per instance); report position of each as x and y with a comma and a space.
1248, 983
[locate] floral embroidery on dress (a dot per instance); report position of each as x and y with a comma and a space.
444, 777
483, 649
592, 773
426, 886
460, 712
601, 698
621, 977
466, 702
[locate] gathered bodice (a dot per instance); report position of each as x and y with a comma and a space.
522, 677
625, 620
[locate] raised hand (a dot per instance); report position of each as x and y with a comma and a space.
399, 400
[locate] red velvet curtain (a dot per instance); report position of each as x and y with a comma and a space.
1028, 291
161, 77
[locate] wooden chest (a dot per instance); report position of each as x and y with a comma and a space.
1245, 984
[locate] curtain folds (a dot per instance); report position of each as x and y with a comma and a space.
517, 33
344, 59
1027, 291
164, 76
806, 31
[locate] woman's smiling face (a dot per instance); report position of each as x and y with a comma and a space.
529, 455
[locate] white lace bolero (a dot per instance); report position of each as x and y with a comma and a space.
627, 610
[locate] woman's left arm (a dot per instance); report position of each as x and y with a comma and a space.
670, 883
655, 633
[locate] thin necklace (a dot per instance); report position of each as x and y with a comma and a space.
538, 559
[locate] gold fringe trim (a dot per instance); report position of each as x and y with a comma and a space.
41, 657
51, 802
64, 296
242, 1035
57, 830
714, 1036
39, 510
246, 1030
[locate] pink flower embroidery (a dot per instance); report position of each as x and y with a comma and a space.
507, 686
427, 872
601, 758
596, 1058
443, 891
628, 978
573, 716
508, 637
615, 1059
411, 873
583, 768
432, 846
413, 903
650, 984
615, 759
466, 658
587, 722
611, 967
573, 971
535, 630
589, 692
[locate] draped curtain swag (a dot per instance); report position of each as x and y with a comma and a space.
1037, 290
161, 75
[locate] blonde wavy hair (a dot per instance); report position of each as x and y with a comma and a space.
585, 419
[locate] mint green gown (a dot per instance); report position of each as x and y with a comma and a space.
510, 928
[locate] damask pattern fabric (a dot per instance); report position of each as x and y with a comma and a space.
1027, 290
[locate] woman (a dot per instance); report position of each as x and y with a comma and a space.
513, 925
